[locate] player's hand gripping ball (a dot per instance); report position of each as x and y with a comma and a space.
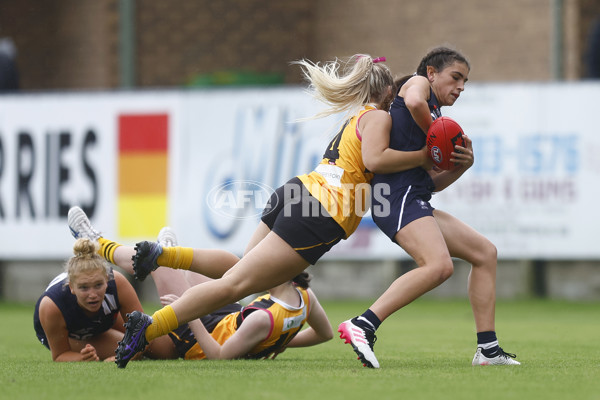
444, 133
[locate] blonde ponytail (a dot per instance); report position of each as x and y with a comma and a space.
362, 80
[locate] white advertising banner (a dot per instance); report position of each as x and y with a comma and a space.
59, 150
531, 190
534, 185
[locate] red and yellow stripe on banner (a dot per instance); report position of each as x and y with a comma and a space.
143, 164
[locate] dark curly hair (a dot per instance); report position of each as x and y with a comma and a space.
302, 280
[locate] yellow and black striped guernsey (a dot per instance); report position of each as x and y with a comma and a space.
341, 182
286, 322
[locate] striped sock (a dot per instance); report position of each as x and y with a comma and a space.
107, 249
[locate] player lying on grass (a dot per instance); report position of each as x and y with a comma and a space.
262, 329
80, 315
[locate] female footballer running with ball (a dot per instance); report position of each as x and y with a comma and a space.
431, 237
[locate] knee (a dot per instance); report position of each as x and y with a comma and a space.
237, 288
487, 254
492, 252
443, 270
446, 270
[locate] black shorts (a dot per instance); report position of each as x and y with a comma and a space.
301, 221
183, 338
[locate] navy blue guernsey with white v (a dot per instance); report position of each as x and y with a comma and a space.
406, 135
402, 197
79, 325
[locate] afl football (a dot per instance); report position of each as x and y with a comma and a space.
444, 133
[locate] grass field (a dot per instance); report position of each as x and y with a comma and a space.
425, 352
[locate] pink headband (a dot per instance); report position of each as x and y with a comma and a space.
375, 60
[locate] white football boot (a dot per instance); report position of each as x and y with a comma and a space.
80, 225
362, 342
500, 358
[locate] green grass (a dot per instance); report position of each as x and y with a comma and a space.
425, 352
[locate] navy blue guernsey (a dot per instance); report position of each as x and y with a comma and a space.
79, 325
406, 135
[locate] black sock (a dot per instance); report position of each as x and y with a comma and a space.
368, 320
488, 343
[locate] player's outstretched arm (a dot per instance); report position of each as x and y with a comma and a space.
255, 328
319, 329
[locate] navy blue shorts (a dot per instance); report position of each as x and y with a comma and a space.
405, 205
301, 221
